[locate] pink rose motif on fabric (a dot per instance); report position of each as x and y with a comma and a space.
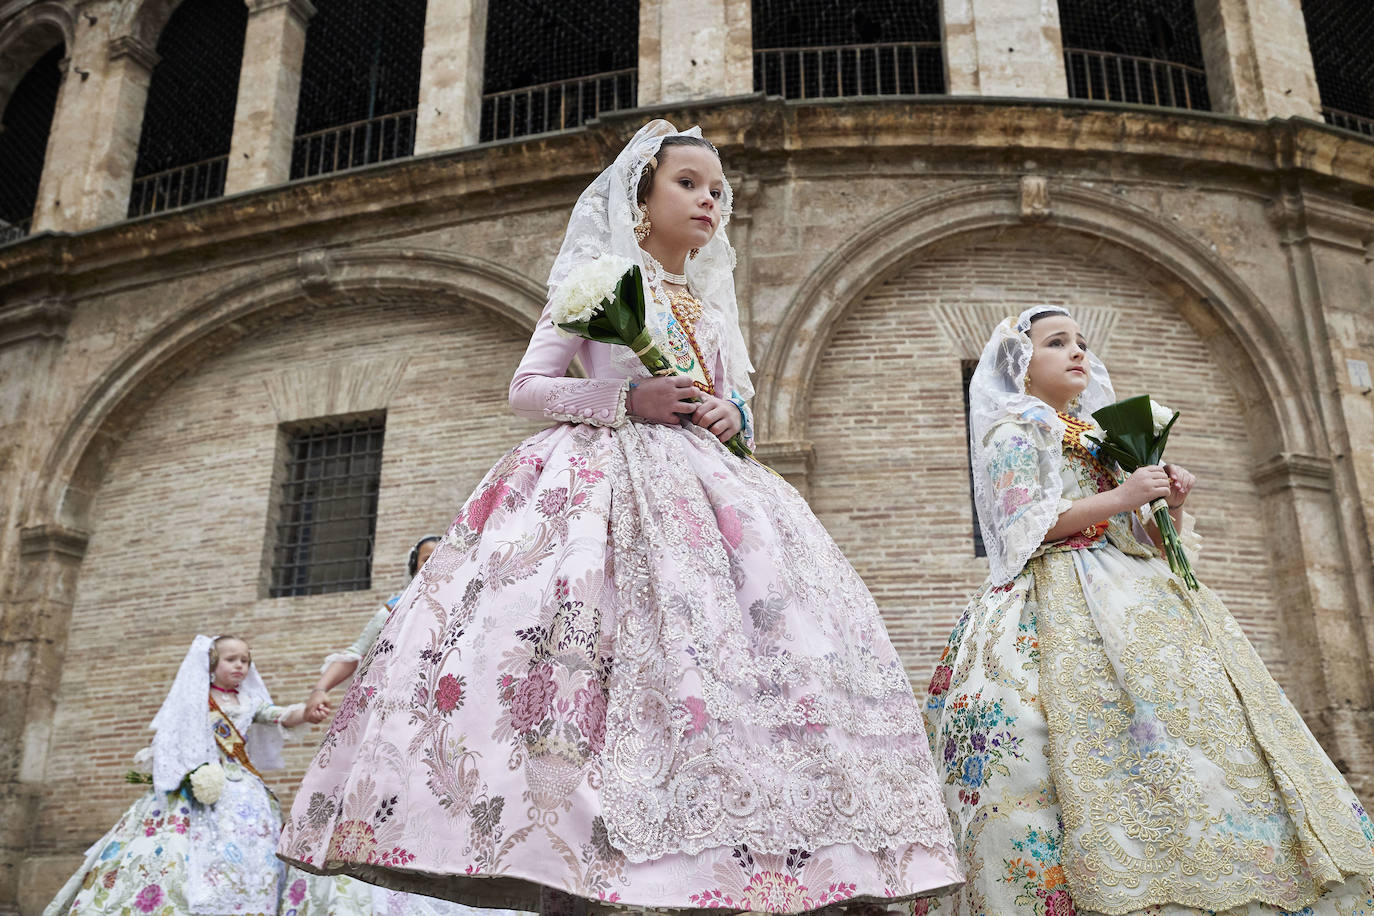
591, 716
148, 898
696, 706
483, 504
731, 528
297, 892
353, 841
448, 695
1059, 903
1014, 498
552, 502
533, 699
940, 682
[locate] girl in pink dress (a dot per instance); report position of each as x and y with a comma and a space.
636, 669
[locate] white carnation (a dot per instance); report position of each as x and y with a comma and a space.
207, 782
581, 294
1091, 437
1161, 415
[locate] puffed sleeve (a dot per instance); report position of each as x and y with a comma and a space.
540, 390
1021, 502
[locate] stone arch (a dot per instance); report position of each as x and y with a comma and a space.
27, 37
1209, 291
143, 20
72, 470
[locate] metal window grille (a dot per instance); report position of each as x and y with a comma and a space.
24, 142
1340, 34
189, 119
823, 48
1146, 52
979, 549
552, 65
327, 512
360, 85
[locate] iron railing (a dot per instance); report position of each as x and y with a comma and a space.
348, 146
13, 232
888, 68
178, 187
557, 106
1347, 121
1139, 80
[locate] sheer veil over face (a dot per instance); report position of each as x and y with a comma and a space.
1003, 416
603, 220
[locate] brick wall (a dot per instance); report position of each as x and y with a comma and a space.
179, 524
891, 473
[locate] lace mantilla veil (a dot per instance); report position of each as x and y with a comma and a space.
182, 740
999, 406
603, 220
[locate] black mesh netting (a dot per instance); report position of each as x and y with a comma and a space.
1341, 36
552, 65
189, 118
826, 48
24, 142
1143, 51
360, 84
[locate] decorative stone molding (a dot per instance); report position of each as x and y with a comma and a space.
53, 540
1289, 471
342, 388
46, 319
136, 49
303, 10
1035, 197
793, 460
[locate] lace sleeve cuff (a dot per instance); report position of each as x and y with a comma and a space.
597, 402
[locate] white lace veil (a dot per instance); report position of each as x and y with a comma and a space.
603, 220
999, 407
182, 740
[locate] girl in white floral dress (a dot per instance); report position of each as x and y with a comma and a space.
1108, 739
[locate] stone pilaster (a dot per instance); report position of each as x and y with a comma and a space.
694, 49
1003, 48
451, 72
1258, 61
269, 90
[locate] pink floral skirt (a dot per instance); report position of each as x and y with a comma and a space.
636, 670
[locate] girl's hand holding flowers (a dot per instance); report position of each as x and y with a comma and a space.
662, 399
1145, 485
1181, 482
719, 417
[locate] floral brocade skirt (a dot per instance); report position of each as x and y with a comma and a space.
636, 670
1109, 742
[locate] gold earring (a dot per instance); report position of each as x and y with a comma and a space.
642, 229
693, 253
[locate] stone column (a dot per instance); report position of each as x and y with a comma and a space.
1258, 61
269, 91
93, 142
451, 75
1003, 48
694, 49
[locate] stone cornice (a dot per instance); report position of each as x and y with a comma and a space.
133, 47
41, 319
1293, 472
755, 134
38, 540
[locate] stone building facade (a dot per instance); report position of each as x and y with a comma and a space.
1221, 260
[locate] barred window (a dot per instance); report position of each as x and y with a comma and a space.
552, 64
1147, 52
1340, 34
823, 49
327, 506
24, 142
188, 122
360, 84
979, 549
